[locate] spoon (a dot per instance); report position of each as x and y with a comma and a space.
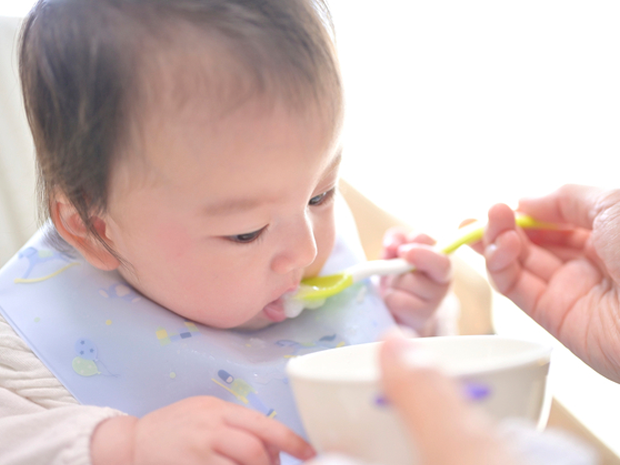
313, 291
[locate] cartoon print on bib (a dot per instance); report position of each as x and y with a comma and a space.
120, 291
243, 391
38, 257
166, 338
298, 348
85, 364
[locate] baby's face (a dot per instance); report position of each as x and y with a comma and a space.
217, 219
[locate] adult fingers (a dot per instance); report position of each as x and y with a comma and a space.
509, 252
271, 432
571, 204
574, 239
501, 219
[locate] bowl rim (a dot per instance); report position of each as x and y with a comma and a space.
540, 354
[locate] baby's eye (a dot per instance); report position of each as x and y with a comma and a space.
322, 198
247, 237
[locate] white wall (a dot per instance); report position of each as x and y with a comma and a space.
455, 105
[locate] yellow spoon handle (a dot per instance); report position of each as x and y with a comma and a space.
466, 235
473, 232
325, 286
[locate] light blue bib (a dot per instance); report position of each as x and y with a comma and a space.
111, 346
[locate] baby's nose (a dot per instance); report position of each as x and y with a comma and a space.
298, 250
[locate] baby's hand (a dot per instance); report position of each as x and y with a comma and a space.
412, 298
198, 430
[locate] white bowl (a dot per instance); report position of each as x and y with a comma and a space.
338, 393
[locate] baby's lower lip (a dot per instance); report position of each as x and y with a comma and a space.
274, 311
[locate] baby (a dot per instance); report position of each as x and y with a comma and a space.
193, 146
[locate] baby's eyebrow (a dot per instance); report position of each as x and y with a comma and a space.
233, 205
334, 162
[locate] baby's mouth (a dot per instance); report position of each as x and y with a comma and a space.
274, 311
289, 306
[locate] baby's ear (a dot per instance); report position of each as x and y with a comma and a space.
70, 226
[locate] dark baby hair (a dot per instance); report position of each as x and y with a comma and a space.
82, 64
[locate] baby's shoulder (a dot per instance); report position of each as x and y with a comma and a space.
22, 373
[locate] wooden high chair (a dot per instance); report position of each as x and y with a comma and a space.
474, 294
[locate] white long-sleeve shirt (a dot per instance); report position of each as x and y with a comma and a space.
40, 421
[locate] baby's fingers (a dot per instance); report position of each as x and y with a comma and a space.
392, 240
409, 310
421, 238
421, 286
272, 433
396, 237
243, 448
427, 260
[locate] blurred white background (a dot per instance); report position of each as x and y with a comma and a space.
455, 105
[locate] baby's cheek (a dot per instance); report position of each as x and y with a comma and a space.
173, 241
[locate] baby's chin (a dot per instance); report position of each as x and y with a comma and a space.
259, 321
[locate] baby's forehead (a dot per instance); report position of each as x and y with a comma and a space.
207, 157
201, 72
190, 68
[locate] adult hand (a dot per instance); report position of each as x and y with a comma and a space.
568, 280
